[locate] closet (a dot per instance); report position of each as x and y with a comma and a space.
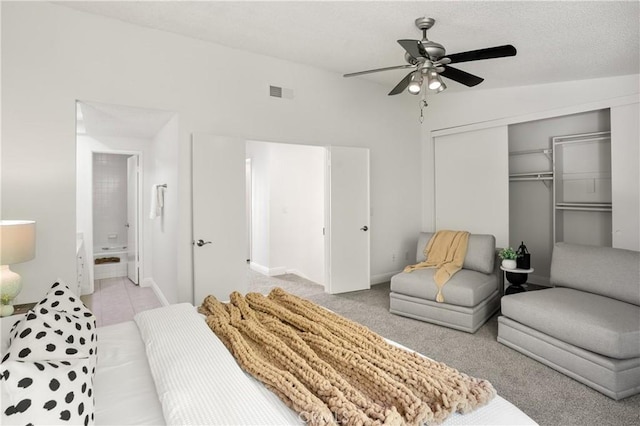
559, 168
542, 179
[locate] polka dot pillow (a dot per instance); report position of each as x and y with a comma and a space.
47, 372
47, 392
61, 298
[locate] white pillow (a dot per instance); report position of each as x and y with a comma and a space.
47, 371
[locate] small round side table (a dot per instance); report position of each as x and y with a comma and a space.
516, 277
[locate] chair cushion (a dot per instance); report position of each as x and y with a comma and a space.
481, 251
465, 288
589, 321
607, 271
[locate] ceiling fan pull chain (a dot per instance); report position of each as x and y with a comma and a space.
423, 105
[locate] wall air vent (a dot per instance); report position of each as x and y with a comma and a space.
275, 91
280, 92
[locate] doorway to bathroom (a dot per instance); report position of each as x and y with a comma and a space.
115, 203
123, 155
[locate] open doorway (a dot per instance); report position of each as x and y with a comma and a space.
220, 227
115, 201
122, 153
286, 207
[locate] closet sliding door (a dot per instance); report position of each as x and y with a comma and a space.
625, 176
472, 182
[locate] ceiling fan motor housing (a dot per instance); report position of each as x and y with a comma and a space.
435, 50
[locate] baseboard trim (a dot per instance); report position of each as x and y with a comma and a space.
270, 272
382, 278
373, 280
280, 270
259, 268
149, 282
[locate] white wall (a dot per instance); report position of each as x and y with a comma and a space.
109, 199
469, 106
289, 184
52, 55
297, 210
164, 229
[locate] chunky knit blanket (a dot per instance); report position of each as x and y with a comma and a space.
332, 370
445, 251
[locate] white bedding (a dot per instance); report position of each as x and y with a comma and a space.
197, 380
125, 392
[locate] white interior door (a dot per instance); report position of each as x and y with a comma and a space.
219, 216
132, 219
248, 207
472, 182
348, 220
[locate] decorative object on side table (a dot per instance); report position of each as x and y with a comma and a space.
508, 256
517, 267
523, 260
17, 245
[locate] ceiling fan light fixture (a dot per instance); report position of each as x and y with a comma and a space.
415, 86
442, 87
434, 80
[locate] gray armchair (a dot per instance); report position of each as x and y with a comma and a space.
588, 325
471, 296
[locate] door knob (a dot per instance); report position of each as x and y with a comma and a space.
364, 228
200, 243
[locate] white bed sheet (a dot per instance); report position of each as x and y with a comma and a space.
126, 393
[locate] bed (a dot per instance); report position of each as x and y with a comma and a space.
158, 369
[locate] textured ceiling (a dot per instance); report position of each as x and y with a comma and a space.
556, 41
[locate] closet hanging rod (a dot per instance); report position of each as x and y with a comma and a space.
584, 204
585, 209
513, 179
532, 174
164, 185
532, 151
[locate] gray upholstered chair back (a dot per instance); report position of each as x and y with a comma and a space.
607, 271
481, 251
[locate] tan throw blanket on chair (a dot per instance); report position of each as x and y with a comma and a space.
446, 251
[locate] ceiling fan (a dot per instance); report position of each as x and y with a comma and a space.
431, 63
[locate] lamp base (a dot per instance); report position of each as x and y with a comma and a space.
10, 286
6, 310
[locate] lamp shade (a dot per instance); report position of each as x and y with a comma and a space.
17, 241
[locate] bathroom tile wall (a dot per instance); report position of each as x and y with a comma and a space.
109, 199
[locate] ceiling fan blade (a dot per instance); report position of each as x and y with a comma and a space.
488, 53
402, 85
460, 76
413, 48
397, 67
